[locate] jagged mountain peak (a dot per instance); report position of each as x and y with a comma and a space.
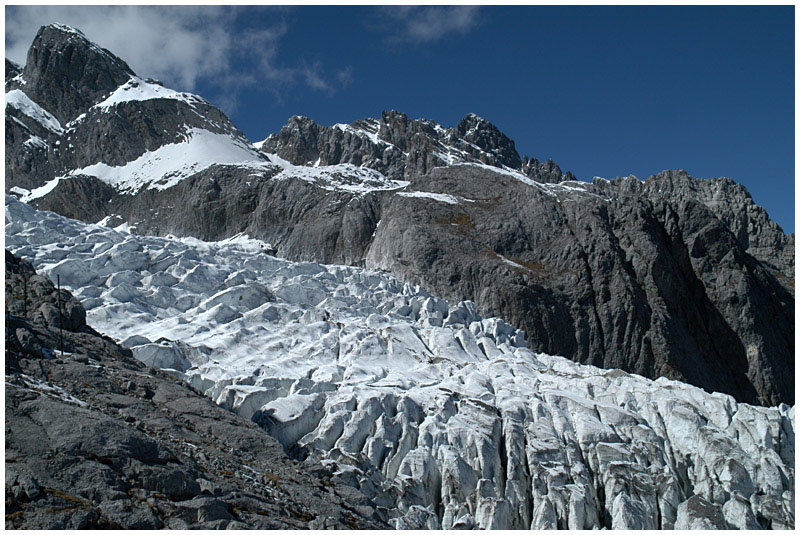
548, 172
396, 145
60, 36
77, 109
300, 119
480, 132
680, 179
65, 72
388, 115
63, 28
472, 121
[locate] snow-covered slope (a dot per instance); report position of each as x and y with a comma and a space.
16, 98
137, 89
169, 164
441, 416
346, 177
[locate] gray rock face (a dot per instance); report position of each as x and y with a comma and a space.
95, 439
607, 278
66, 73
672, 276
732, 205
82, 197
30, 154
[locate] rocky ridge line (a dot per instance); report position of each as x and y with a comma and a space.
672, 276
402, 148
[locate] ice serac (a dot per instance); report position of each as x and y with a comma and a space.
444, 418
98, 440
672, 276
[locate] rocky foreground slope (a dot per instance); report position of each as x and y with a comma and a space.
96, 439
669, 277
440, 416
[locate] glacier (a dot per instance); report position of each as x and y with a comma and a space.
445, 419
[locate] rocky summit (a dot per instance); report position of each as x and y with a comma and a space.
340, 289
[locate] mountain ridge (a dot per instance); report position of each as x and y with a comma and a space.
669, 276
414, 146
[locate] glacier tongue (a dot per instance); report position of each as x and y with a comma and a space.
444, 418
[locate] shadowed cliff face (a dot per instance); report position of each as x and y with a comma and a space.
673, 276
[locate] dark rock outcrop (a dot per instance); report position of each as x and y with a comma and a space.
12, 72
66, 73
95, 439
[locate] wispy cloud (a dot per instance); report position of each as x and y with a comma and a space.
425, 24
182, 45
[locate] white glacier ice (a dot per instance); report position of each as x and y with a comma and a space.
442, 417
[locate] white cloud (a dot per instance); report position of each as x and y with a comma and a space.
181, 45
431, 23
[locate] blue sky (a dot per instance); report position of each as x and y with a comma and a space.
604, 91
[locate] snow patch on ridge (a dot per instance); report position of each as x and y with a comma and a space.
41, 191
169, 164
440, 197
341, 177
137, 89
372, 136
16, 98
19, 191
